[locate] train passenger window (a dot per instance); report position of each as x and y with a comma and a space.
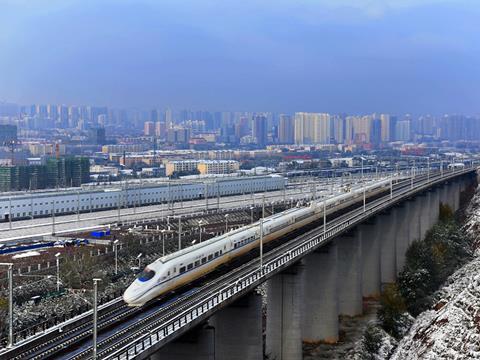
168, 274
182, 269
189, 266
197, 262
210, 257
216, 253
204, 260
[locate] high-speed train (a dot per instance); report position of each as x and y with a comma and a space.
182, 267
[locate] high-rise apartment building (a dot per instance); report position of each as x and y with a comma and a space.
388, 125
338, 129
52, 111
259, 129
402, 130
169, 118
149, 128
62, 116
312, 128
286, 129
361, 129
160, 129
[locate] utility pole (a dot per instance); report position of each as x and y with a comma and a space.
428, 169
364, 199
206, 196
263, 206
95, 316
118, 207
53, 217
226, 223
115, 248
362, 167
261, 246
391, 188
78, 205
57, 258
324, 215
163, 242
200, 223
179, 233
10, 212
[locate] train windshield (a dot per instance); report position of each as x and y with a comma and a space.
146, 274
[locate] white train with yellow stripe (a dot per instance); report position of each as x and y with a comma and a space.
182, 267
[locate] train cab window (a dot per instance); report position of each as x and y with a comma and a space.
182, 269
204, 260
189, 266
146, 275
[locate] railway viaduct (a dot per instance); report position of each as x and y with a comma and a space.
305, 299
306, 283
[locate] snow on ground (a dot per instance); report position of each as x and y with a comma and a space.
451, 330
26, 254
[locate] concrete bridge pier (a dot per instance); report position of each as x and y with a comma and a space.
197, 344
434, 206
456, 195
320, 311
238, 329
425, 215
388, 249
402, 233
350, 273
284, 309
449, 195
415, 215
371, 269
443, 195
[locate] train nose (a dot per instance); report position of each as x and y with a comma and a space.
130, 296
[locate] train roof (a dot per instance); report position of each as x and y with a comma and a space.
216, 239
85, 189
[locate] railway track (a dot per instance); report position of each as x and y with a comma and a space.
119, 324
111, 344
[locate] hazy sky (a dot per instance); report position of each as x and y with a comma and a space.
282, 55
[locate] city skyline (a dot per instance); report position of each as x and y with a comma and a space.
327, 56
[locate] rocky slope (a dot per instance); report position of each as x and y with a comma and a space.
451, 330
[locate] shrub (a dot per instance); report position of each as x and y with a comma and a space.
445, 212
392, 310
371, 342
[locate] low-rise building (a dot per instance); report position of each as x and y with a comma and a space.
218, 166
180, 166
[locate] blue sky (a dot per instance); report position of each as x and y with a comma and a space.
349, 56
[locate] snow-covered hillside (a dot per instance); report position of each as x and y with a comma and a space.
451, 330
